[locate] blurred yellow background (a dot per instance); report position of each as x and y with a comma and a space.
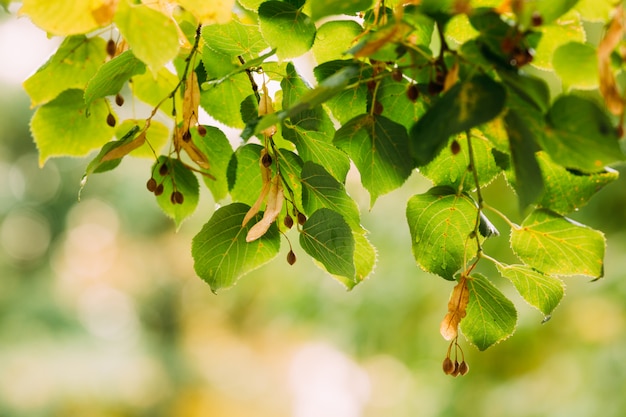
101, 313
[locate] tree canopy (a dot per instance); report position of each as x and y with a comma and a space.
460, 91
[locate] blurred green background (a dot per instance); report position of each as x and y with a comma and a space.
101, 313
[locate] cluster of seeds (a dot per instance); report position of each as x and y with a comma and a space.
455, 368
157, 188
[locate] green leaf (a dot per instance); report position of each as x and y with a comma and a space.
139, 25
323, 8
450, 168
220, 251
157, 136
466, 105
328, 239
62, 127
567, 191
244, 174
348, 103
152, 89
111, 76
549, 10
322, 190
334, 38
528, 181
440, 223
222, 101
595, 10
380, 150
234, 39
539, 290
317, 147
286, 28
569, 28
556, 245
177, 178
491, 317
580, 135
216, 147
364, 256
577, 65
76, 60
396, 105
531, 90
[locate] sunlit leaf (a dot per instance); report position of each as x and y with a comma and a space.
491, 317
323, 8
334, 38
215, 145
580, 135
214, 11
153, 89
244, 174
539, 290
220, 251
440, 223
466, 105
556, 245
138, 24
72, 66
111, 77
595, 10
65, 17
234, 39
223, 101
281, 18
328, 238
566, 29
62, 127
566, 190
380, 150
451, 168
576, 64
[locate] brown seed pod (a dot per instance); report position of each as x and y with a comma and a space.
455, 147
288, 221
412, 92
111, 47
291, 257
187, 135
178, 197
435, 88
448, 366
396, 74
119, 99
536, 19
111, 120
371, 85
201, 130
266, 160
151, 185
463, 368
301, 219
158, 190
456, 370
163, 169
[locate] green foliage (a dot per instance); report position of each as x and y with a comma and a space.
441, 88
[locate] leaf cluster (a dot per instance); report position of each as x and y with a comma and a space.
444, 88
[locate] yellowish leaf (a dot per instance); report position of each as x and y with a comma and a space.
457, 306
207, 12
69, 17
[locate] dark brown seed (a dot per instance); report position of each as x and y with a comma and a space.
396, 74
119, 99
448, 366
266, 160
187, 136
434, 88
291, 258
456, 370
413, 92
111, 47
177, 197
159, 190
151, 185
455, 147
288, 222
371, 85
201, 130
463, 368
111, 120
536, 19
378, 108
163, 170
301, 219
507, 45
